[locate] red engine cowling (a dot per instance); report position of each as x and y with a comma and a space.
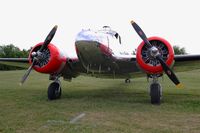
52, 62
149, 64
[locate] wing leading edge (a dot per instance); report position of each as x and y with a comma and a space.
180, 58
21, 60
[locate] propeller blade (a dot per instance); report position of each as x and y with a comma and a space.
48, 38
27, 73
141, 33
168, 71
44, 46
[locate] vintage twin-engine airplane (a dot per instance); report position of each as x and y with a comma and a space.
100, 53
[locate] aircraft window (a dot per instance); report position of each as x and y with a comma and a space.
120, 41
118, 36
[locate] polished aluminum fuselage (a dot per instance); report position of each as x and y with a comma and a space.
101, 53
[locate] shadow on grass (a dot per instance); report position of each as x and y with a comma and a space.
118, 93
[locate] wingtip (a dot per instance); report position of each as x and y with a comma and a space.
179, 86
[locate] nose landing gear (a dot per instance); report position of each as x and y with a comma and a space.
155, 90
155, 93
54, 90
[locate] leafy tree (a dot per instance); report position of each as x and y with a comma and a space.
11, 51
178, 50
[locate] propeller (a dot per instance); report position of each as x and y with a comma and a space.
37, 56
155, 53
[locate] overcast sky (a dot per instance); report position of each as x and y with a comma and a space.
25, 23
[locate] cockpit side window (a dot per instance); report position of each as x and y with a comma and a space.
118, 37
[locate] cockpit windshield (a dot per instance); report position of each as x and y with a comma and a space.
108, 30
105, 36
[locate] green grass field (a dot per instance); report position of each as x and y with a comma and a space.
110, 106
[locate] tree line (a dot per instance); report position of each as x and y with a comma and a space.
11, 51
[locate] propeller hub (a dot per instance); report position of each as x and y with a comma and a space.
39, 55
33, 54
154, 51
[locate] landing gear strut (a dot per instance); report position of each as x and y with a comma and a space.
54, 90
155, 91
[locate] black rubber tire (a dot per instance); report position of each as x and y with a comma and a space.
54, 91
155, 93
127, 81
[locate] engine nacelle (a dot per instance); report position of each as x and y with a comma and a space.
52, 60
148, 63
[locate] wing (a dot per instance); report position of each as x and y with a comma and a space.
17, 62
180, 58
21, 60
186, 62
